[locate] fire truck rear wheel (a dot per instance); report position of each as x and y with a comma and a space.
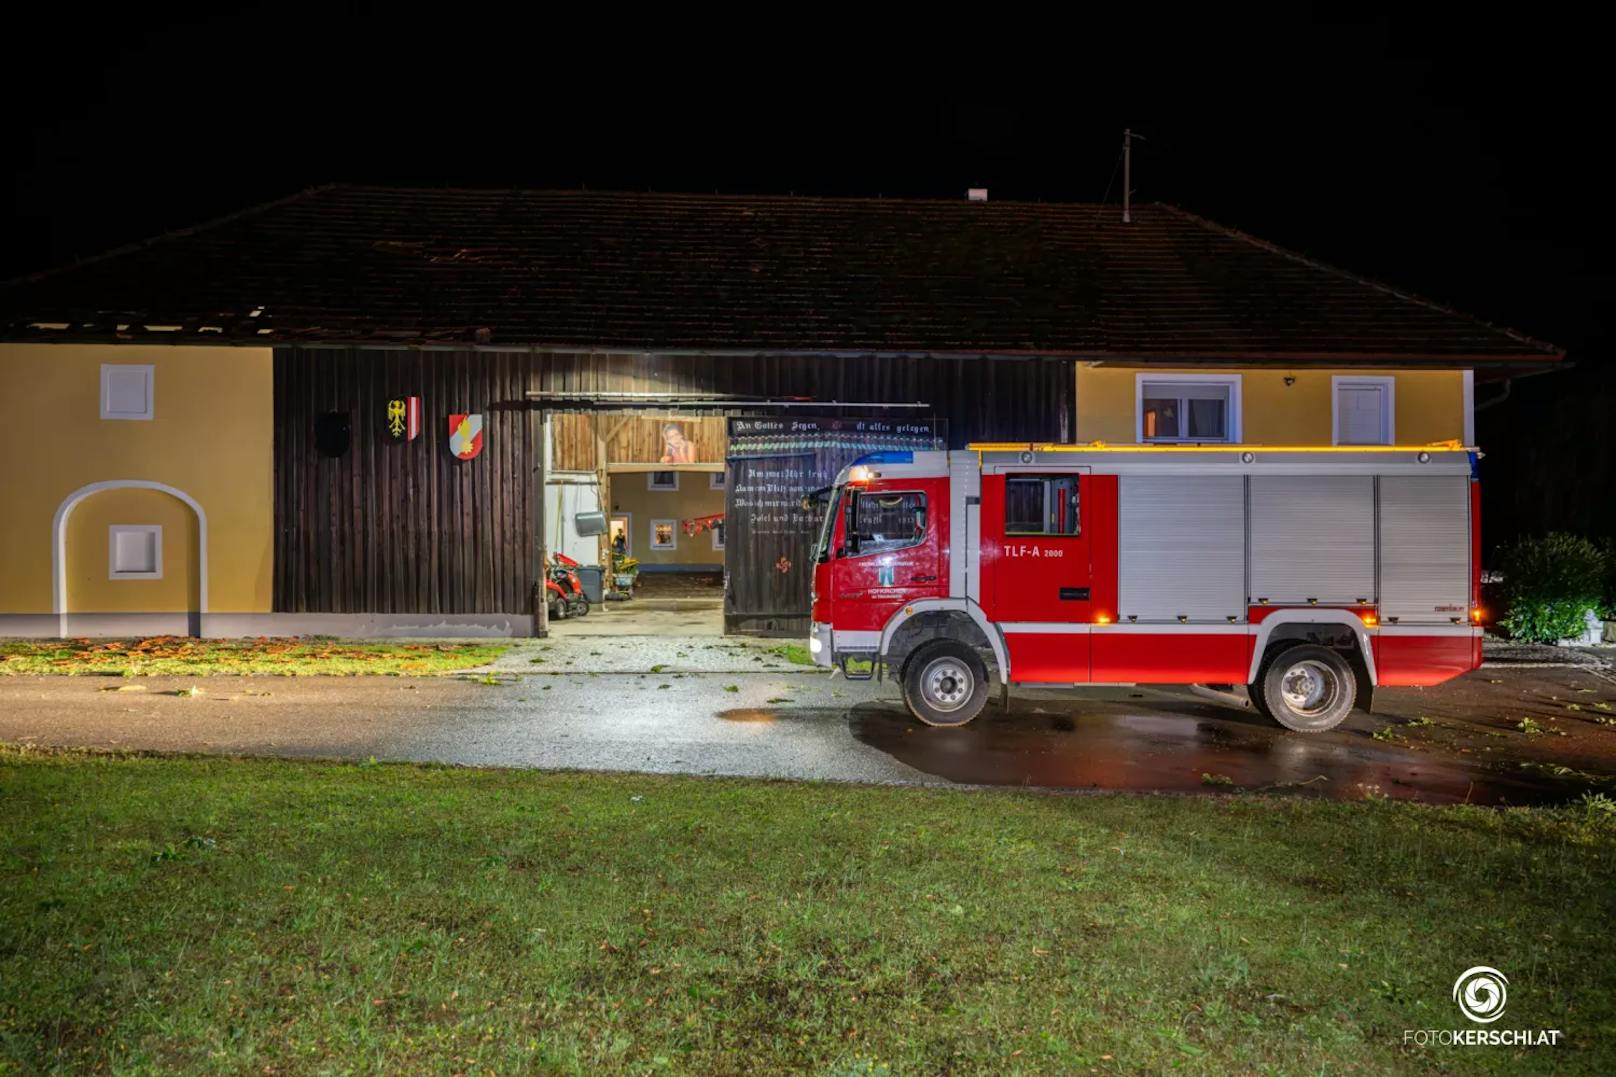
945, 683
1308, 689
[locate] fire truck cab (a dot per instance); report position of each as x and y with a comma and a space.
1309, 575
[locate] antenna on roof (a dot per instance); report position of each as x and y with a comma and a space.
1127, 172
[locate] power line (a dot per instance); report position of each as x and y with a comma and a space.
1114, 166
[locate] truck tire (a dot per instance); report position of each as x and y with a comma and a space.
945, 683
1306, 689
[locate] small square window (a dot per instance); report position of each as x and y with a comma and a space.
662, 480
717, 480
134, 552
1364, 410
718, 535
126, 391
1041, 505
664, 534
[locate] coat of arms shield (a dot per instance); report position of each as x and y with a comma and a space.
402, 419
465, 436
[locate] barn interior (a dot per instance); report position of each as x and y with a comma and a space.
637, 499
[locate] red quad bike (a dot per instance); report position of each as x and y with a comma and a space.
563, 590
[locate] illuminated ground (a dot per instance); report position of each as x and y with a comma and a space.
1519, 733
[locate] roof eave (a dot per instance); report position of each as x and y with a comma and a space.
281, 337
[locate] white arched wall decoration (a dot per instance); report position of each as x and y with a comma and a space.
59, 540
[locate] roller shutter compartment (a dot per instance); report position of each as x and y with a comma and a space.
1313, 538
1425, 568
1181, 548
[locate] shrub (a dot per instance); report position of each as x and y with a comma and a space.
1550, 583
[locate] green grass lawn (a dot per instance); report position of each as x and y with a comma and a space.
237, 915
795, 653
179, 656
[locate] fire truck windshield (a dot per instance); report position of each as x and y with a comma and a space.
833, 500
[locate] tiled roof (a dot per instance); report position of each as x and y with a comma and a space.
594, 270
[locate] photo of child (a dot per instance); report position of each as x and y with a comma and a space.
676, 448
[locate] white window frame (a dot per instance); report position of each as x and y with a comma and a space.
673, 543
651, 483
146, 413
1388, 400
1235, 384
717, 480
115, 530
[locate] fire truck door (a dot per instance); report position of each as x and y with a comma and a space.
888, 553
1035, 527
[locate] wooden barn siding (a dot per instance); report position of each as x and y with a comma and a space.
633, 440
406, 528
980, 399
402, 527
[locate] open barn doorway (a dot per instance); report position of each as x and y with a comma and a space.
697, 509
635, 502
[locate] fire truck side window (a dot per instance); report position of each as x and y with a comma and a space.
1041, 505
882, 521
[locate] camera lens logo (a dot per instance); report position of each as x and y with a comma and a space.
1481, 993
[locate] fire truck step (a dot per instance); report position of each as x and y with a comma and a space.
863, 672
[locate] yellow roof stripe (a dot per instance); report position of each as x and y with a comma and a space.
1100, 446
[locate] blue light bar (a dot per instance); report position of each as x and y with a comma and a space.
889, 456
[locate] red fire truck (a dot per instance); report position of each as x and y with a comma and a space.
1309, 575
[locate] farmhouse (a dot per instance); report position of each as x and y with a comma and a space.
367, 410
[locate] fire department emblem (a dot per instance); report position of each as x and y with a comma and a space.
403, 418
465, 436
886, 576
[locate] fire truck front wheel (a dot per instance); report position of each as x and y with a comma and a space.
1307, 689
945, 683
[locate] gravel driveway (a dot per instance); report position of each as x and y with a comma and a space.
736, 707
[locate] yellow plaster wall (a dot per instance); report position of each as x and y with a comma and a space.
89, 588
210, 437
693, 498
1429, 404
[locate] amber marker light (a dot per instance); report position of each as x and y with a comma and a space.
1102, 618
1476, 614
1371, 620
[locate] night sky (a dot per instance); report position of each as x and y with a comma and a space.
1463, 163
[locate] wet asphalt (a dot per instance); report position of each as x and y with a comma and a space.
724, 707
